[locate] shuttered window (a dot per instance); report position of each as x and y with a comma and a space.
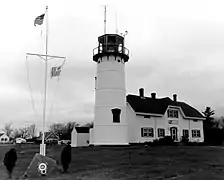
172, 113
196, 133
161, 132
147, 132
185, 133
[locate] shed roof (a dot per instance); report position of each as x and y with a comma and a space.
82, 129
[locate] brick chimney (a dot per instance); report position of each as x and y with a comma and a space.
174, 97
153, 95
141, 92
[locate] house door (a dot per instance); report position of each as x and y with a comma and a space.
173, 132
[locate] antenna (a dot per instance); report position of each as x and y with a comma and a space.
105, 18
116, 24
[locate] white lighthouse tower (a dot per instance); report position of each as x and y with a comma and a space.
110, 125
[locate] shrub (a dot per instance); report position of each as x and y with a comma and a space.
156, 142
184, 140
196, 143
167, 140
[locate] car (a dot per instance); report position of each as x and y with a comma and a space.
64, 141
20, 140
51, 141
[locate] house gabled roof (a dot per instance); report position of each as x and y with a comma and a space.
49, 135
159, 106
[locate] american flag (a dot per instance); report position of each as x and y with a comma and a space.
39, 20
55, 71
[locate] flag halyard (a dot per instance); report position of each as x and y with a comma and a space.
39, 20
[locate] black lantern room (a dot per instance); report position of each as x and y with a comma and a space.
111, 44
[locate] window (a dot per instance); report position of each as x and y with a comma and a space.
111, 45
95, 82
147, 132
175, 113
116, 115
120, 48
161, 132
172, 113
185, 133
196, 133
100, 48
2, 139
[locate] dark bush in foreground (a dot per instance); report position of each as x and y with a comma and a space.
214, 136
195, 144
167, 141
184, 140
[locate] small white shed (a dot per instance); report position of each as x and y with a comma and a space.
4, 138
80, 137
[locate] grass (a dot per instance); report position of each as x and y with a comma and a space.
134, 162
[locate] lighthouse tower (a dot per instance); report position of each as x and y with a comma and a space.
110, 125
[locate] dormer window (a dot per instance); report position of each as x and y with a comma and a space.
172, 113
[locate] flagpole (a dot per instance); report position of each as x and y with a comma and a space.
105, 19
43, 149
39, 21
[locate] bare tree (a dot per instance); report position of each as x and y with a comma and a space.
63, 130
56, 127
24, 132
31, 130
219, 122
8, 129
89, 124
16, 133
70, 125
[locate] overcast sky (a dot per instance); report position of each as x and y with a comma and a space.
175, 46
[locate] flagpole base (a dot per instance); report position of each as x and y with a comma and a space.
40, 167
43, 149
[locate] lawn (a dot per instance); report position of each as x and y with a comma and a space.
135, 162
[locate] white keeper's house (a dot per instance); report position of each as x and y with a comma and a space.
120, 119
151, 118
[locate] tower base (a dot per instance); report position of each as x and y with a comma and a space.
110, 144
105, 135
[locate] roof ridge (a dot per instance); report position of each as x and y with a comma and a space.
159, 105
149, 97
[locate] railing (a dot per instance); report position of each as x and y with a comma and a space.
110, 48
